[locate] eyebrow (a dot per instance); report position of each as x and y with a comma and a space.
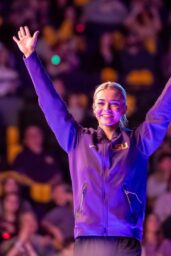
110, 100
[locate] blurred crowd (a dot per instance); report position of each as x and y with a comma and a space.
82, 43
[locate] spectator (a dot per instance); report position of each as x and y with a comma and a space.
9, 84
154, 243
76, 108
162, 206
104, 55
58, 8
139, 75
9, 217
157, 183
34, 161
59, 222
28, 242
105, 12
144, 20
39, 166
10, 186
101, 16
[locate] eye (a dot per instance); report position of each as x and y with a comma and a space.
115, 104
100, 103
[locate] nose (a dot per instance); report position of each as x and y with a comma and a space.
107, 106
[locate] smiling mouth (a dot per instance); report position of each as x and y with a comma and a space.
107, 115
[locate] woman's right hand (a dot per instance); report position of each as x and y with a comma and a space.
26, 43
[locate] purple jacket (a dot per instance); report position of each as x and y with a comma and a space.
108, 177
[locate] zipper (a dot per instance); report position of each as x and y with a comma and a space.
84, 189
126, 192
83, 192
105, 204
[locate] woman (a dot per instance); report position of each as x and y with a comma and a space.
11, 208
28, 242
154, 244
107, 165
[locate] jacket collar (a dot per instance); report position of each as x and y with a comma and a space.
101, 135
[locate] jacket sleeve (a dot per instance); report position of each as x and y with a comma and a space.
61, 122
150, 134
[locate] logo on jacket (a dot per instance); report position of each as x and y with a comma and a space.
120, 146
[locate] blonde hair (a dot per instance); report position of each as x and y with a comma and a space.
112, 85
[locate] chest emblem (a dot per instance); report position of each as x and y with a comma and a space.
120, 146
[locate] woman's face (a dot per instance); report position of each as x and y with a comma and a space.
109, 106
10, 186
152, 223
29, 223
11, 203
33, 137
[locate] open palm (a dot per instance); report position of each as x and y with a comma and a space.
26, 43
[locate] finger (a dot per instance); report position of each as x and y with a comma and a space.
19, 35
35, 35
27, 31
22, 31
15, 39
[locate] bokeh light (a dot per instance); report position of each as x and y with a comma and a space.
55, 59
